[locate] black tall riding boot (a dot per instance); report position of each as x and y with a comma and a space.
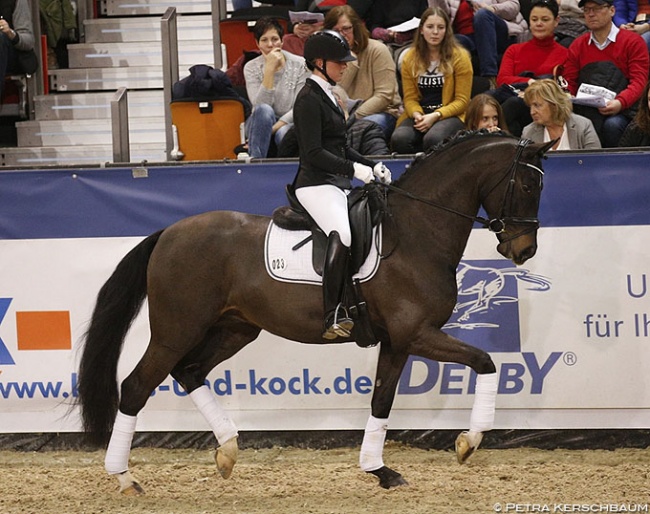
337, 322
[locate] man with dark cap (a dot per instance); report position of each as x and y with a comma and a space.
612, 58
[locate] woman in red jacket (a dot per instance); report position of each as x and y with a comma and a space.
524, 63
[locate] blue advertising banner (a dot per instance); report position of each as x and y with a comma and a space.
568, 331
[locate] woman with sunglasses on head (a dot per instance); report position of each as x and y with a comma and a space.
523, 63
437, 81
372, 76
327, 166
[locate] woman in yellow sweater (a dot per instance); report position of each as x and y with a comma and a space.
437, 84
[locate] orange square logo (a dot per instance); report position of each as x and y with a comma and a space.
43, 330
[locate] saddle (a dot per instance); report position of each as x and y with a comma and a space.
367, 208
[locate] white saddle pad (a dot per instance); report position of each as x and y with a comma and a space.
288, 265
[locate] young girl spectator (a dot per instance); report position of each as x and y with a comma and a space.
524, 63
372, 77
637, 133
437, 83
484, 112
553, 118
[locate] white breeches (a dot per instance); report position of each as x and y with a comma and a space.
328, 206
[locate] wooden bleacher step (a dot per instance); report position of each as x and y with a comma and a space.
151, 7
118, 30
135, 54
77, 155
97, 105
87, 132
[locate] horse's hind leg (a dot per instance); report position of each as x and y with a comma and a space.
153, 368
220, 344
389, 369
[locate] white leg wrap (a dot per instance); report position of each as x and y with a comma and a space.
220, 423
482, 418
119, 447
372, 447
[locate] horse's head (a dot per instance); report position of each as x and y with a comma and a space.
512, 204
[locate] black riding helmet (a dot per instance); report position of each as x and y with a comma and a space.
328, 45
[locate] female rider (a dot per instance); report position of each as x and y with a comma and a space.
327, 166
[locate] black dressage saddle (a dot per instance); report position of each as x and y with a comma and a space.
367, 208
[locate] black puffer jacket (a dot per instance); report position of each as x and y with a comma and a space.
366, 137
206, 83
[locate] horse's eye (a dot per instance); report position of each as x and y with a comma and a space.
527, 189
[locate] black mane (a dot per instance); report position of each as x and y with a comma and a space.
460, 137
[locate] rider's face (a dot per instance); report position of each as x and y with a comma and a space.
336, 69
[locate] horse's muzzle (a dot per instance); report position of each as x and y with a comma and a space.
518, 250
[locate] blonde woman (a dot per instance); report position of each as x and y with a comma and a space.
437, 83
553, 119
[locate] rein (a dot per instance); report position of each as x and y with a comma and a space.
496, 225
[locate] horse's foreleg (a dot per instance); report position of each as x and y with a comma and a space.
389, 369
442, 347
482, 417
116, 461
222, 426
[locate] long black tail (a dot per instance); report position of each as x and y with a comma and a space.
118, 303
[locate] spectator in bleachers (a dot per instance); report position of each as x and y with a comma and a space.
523, 63
388, 13
571, 23
59, 24
461, 14
497, 25
553, 119
437, 83
248, 4
273, 81
372, 77
626, 17
484, 112
608, 57
637, 132
295, 42
17, 35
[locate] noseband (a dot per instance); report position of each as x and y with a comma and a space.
496, 225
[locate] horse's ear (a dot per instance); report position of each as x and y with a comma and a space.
539, 149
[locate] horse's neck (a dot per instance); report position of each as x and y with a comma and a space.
421, 224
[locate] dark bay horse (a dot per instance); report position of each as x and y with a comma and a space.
209, 296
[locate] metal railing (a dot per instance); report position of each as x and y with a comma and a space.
120, 126
169, 42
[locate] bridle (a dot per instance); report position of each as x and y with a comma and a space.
498, 224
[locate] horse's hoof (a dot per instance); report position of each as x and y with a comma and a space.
128, 486
133, 490
226, 457
388, 478
466, 444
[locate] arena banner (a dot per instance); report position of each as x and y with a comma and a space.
569, 330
